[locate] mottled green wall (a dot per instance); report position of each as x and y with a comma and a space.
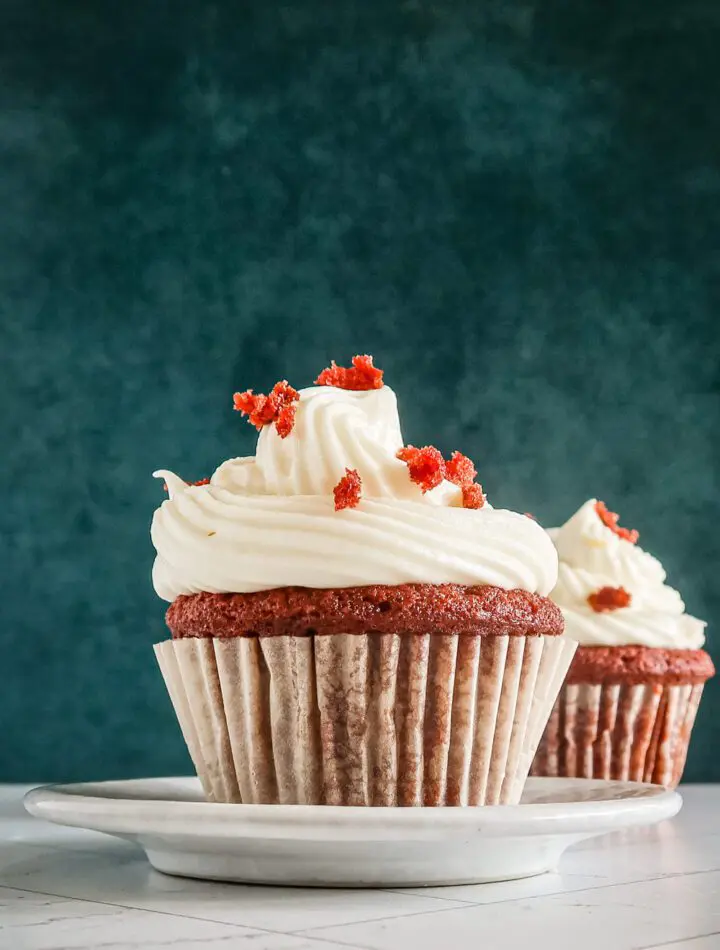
515, 206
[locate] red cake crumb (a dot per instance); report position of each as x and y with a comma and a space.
426, 466
609, 598
530, 515
347, 492
200, 481
472, 496
610, 520
278, 407
362, 375
460, 470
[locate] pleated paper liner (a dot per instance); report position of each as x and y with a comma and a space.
636, 733
370, 719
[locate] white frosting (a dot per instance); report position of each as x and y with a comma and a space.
592, 556
270, 521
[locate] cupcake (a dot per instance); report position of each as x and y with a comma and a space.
628, 705
352, 623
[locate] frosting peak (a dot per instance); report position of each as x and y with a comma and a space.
269, 521
334, 429
593, 556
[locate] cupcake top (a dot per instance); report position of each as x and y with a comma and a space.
611, 592
332, 498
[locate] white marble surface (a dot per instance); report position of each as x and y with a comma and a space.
64, 889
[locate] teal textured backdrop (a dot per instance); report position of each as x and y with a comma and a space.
514, 205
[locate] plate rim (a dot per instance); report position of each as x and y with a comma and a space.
65, 804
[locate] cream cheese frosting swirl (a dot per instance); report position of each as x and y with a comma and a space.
269, 521
592, 556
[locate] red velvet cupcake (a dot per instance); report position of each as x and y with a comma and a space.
351, 623
630, 699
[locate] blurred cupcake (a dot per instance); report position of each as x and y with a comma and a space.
632, 692
351, 623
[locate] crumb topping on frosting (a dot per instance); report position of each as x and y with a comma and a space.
610, 520
348, 491
609, 598
361, 376
278, 407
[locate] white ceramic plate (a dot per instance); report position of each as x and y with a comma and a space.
352, 847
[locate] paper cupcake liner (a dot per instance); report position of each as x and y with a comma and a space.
636, 733
371, 719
